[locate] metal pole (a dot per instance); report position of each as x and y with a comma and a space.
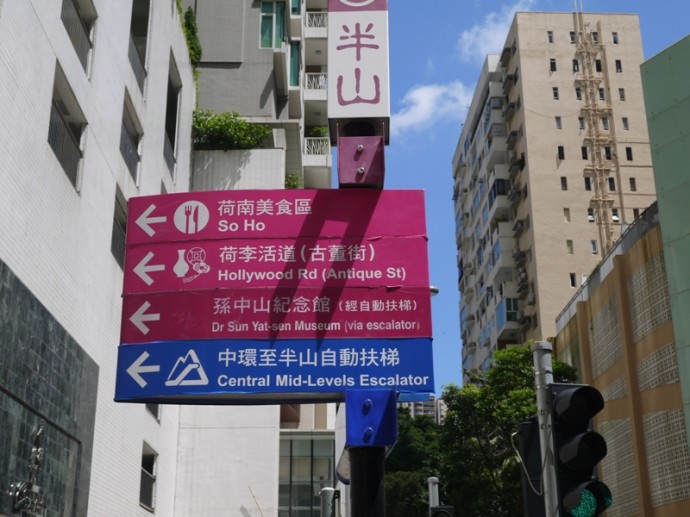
433, 492
543, 376
326, 494
367, 492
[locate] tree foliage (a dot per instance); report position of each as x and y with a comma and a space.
225, 131
479, 469
191, 34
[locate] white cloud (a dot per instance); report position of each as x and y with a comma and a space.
489, 36
428, 104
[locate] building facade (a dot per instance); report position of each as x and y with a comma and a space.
552, 163
618, 331
97, 101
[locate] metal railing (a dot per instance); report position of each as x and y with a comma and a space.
169, 154
64, 144
318, 81
77, 30
137, 63
128, 148
317, 146
317, 20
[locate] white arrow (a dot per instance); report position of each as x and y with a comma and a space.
144, 221
143, 269
139, 317
137, 368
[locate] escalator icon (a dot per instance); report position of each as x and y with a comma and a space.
187, 372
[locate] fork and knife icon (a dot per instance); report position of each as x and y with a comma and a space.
191, 214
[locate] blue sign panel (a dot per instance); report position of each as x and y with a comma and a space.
270, 372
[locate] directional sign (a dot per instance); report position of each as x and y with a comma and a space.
251, 214
374, 262
283, 313
226, 371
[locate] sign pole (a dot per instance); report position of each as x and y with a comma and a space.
543, 372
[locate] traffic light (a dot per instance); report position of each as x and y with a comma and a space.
441, 511
577, 450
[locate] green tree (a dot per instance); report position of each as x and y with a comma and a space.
480, 471
415, 457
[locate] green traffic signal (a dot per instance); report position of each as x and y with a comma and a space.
588, 500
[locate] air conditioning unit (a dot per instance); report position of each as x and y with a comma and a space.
531, 298
615, 218
590, 218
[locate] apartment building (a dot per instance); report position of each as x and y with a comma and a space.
553, 162
97, 101
267, 61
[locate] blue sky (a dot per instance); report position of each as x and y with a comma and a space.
437, 49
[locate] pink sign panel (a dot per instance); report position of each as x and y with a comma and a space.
357, 5
242, 263
277, 314
245, 214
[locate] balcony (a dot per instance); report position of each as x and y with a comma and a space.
509, 81
316, 24
316, 87
509, 110
518, 228
318, 161
512, 139
506, 54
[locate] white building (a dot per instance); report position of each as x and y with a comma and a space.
97, 108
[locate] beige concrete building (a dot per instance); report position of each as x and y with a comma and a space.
552, 163
617, 331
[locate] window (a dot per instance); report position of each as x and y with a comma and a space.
578, 93
621, 94
588, 183
602, 94
633, 185
569, 246
614, 215
612, 184
573, 280
619, 66
590, 215
295, 7
154, 410
607, 153
558, 123
605, 123
130, 136
549, 36
66, 127
576, 65
597, 65
306, 465
561, 152
572, 37
555, 92
139, 28
272, 23
595, 37
629, 154
595, 246
614, 37
117, 241
636, 213
79, 17
552, 64
584, 152
566, 215
581, 122
171, 116
626, 124
564, 183
147, 486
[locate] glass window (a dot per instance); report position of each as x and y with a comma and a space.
621, 94
576, 65
549, 36
555, 92
590, 215
552, 64
597, 65
561, 152
619, 66
602, 94
614, 37
633, 185
636, 213
573, 280
578, 93
584, 152
566, 215
147, 485
558, 123
605, 123
569, 246
564, 183
626, 124
612, 184
595, 37
595, 247
117, 241
588, 183
272, 23
572, 37
629, 154
581, 122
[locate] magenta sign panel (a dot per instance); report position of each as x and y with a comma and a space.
276, 265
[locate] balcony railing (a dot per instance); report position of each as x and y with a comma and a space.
137, 64
317, 146
316, 81
169, 154
128, 148
64, 144
77, 31
317, 20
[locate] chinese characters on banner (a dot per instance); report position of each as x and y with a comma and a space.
358, 85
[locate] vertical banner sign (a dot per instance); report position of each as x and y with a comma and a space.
358, 83
274, 296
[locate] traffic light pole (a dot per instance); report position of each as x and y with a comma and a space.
543, 372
